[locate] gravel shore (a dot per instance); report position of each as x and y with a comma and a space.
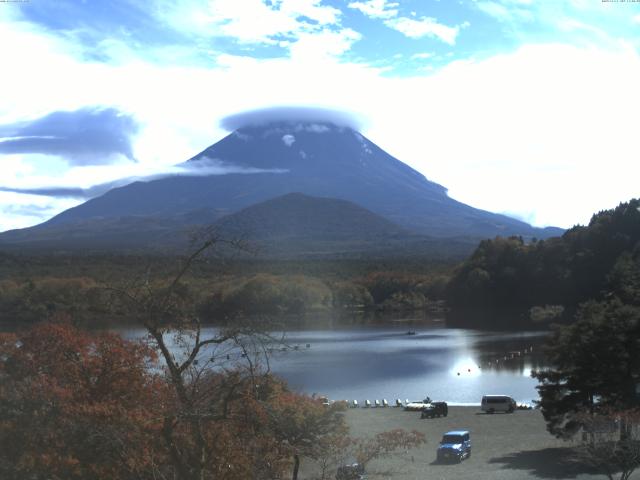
504, 446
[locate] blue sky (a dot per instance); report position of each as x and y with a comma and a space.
525, 107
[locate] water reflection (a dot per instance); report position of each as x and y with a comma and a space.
383, 361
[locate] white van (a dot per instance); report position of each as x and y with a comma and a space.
497, 403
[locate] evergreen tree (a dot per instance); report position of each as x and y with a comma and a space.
595, 365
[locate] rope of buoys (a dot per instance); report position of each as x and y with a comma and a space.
510, 356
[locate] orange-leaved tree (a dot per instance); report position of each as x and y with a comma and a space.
77, 406
385, 444
303, 424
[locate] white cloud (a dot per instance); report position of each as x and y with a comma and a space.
248, 21
302, 117
507, 10
376, 8
547, 127
504, 136
323, 14
425, 27
314, 47
636, 19
421, 56
21, 211
495, 9
410, 27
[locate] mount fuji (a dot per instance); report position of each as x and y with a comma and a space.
258, 162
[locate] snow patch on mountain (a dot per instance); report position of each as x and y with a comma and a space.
288, 139
363, 142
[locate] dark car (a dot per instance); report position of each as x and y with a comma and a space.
435, 409
354, 471
455, 446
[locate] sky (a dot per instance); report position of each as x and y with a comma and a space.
523, 107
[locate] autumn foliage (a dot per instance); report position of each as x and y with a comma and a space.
74, 405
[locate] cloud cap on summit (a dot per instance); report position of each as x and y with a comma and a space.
291, 114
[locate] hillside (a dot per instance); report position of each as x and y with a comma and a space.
296, 215
297, 224
507, 282
258, 163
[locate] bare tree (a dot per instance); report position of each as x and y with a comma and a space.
207, 368
331, 452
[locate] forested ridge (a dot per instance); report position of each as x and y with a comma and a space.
509, 283
505, 283
37, 288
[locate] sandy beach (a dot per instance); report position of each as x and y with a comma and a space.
504, 446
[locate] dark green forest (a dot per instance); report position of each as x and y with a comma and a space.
510, 283
43, 287
505, 283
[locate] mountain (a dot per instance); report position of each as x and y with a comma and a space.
298, 216
299, 225
292, 225
259, 162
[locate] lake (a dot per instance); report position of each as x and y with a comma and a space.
384, 361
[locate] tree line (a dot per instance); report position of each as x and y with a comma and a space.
35, 298
515, 284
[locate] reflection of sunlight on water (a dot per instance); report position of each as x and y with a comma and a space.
466, 368
382, 361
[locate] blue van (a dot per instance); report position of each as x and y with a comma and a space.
454, 446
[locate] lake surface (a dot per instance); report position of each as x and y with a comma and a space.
384, 361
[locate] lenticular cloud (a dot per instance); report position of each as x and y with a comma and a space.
265, 116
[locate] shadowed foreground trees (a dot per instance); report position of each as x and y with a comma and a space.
593, 386
595, 364
77, 406
611, 442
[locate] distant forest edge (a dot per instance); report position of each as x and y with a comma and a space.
506, 283
34, 289
509, 283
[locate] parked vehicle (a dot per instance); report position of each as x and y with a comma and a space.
497, 403
417, 406
355, 471
435, 409
454, 446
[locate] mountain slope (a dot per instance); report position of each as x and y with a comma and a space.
316, 159
298, 216
258, 163
297, 225
293, 225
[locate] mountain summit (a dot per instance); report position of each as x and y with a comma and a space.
268, 159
